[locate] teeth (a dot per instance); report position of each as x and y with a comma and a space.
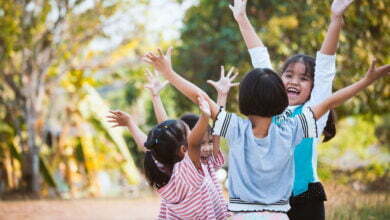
294, 90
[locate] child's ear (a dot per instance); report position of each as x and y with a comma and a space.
182, 150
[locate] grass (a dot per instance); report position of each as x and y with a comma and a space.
346, 203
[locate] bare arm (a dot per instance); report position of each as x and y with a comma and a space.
120, 118
198, 132
222, 86
162, 63
155, 86
247, 31
329, 46
348, 92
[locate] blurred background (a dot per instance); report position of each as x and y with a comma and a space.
65, 63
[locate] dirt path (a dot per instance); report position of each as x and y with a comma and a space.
143, 208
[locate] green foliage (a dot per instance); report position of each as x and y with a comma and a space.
211, 38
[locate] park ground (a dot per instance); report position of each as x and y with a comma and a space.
343, 203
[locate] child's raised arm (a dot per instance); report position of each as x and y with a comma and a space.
329, 46
248, 32
222, 86
197, 133
155, 86
259, 54
120, 118
348, 92
162, 63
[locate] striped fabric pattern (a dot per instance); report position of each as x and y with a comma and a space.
193, 193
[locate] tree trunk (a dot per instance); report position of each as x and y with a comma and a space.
31, 154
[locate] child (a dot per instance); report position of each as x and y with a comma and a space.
155, 86
261, 152
188, 189
298, 74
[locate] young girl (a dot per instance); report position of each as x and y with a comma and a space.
298, 74
213, 163
188, 189
261, 152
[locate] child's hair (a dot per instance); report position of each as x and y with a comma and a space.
309, 63
190, 119
262, 93
163, 144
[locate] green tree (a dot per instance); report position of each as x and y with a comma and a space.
41, 42
211, 38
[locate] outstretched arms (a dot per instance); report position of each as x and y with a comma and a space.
162, 63
120, 118
155, 86
348, 92
329, 46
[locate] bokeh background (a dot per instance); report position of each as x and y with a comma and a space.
65, 63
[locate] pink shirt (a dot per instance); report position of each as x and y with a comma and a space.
193, 194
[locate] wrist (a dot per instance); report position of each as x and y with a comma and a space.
223, 94
337, 19
242, 19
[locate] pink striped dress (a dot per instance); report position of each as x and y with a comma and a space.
192, 193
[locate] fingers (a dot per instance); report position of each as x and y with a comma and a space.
222, 72
169, 52
213, 83
165, 83
160, 53
230, 72
234, 76
372, 66
231, 7
235, 84
149, 75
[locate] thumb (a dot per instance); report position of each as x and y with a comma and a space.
211, 82
169, 52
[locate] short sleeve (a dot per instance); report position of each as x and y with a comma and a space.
260, 57
225, 124
305, 126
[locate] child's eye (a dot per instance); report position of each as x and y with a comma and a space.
288, 76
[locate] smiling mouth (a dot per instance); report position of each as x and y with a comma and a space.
293, 91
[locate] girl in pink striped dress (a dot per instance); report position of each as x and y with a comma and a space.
188, 188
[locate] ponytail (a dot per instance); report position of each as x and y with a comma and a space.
330, 128
163, 144
154, 175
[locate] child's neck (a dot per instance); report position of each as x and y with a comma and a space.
260, 125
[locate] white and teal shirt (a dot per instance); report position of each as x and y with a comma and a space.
305, 154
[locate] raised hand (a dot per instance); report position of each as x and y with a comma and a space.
376, 73
204, 106
161, 62
154, 84
339, 6
224, 83
119, 118
238, 9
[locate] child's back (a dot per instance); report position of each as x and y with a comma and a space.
261, 169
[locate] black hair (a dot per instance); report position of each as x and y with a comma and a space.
309, 63
190, 119
262, 93
163, 144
